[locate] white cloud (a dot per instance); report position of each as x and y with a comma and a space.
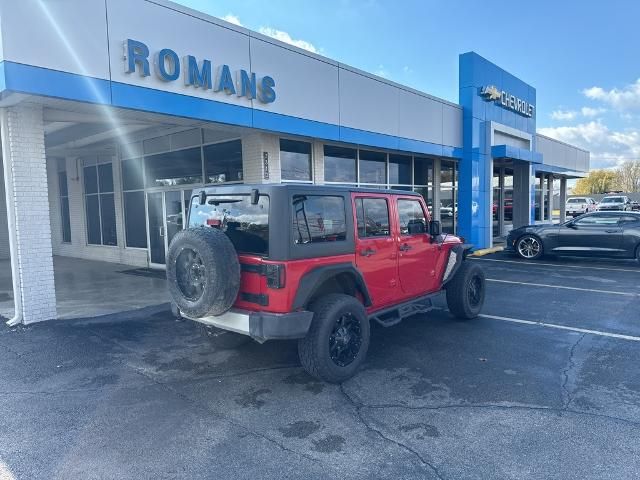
564, 114
608, 148
407, 69
286, 38
231, 18
381, 71
592, 112
626, 98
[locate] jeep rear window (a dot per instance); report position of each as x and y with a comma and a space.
246, 225
318, 218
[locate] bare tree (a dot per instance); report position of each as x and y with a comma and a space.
628, 176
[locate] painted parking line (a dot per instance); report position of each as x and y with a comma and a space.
539, 264
563, 287
562, 327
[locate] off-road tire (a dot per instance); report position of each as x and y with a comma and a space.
314, 350
221, 274
222, 339
462, 304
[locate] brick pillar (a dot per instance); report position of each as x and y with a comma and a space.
254, 147
317, 157
27, 197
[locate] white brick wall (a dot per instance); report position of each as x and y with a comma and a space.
24, 156
253, 147
4, 232
317, 156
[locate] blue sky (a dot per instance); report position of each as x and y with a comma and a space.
582, 56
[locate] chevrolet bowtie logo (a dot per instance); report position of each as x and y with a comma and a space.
491, 93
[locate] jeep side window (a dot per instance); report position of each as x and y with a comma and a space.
318, 218
373, 217
411, 217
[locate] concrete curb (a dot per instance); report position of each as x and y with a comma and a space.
486, 251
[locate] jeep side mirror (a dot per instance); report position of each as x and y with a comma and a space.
202, 198
435, 228
255, 196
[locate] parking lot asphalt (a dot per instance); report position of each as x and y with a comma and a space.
545, 385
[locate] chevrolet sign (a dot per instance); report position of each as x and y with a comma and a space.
508, 101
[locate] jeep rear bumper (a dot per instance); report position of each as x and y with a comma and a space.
261, 326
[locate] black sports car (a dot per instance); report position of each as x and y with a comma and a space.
602, 234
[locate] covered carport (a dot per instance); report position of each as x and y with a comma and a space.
64, 248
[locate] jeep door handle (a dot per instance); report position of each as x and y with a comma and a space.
405, 247
367, 252
612, 231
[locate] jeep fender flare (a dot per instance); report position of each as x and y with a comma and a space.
461, 251
312, 280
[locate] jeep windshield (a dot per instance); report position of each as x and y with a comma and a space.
246, 225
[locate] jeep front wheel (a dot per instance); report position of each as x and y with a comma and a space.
466, 291
337, 341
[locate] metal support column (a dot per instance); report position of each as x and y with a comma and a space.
563, 199
436, 189
549, 213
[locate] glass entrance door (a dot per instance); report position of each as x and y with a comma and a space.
165, 216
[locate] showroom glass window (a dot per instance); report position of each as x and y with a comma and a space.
63, 193
399, 170
295, 160
169, 169
340, 164
135, 223
423, 180
373, 167
99, 201
223, 162
448, 196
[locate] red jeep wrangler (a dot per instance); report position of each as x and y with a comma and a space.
316, 263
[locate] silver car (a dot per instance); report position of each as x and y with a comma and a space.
615, 202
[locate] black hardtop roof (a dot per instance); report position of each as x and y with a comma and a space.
312, 188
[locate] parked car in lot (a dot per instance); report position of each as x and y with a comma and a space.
580, 205
316, 264
606, 234
635, 206
615, 202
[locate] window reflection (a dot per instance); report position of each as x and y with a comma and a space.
295, 160
373, 167
340, 164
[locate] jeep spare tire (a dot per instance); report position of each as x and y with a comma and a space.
203, 272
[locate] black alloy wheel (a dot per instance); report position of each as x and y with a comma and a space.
475, 291
190, 274
345, 340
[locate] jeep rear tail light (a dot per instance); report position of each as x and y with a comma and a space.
275, 274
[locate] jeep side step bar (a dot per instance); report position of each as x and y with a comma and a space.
388, 317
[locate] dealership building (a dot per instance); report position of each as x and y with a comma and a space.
114, 112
